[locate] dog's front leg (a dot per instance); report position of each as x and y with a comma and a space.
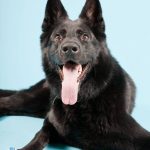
30, 102
39, 141
4, 93
46, 135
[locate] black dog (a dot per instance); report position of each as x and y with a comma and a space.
86, 98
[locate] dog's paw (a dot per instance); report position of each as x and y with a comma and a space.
2, 107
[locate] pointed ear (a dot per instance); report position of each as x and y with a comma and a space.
54, 12
92, 14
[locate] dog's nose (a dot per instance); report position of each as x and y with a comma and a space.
70, 49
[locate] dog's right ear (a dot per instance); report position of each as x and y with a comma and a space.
54, 12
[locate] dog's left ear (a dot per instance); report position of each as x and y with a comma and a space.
92, 14
54, 12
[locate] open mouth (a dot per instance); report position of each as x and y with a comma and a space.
72, 66
71, 75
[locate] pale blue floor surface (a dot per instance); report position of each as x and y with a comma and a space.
16, 132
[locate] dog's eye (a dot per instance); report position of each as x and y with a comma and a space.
58, 37
84, 37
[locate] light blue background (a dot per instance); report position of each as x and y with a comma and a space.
128, 37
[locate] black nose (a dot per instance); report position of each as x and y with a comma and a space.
70, 49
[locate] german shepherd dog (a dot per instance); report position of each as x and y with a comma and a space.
86, 98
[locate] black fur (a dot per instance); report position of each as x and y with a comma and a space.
100, 120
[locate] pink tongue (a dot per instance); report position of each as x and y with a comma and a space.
70, 84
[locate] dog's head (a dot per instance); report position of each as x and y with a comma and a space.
71, 48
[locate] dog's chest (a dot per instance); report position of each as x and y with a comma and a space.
55, 122
59, 121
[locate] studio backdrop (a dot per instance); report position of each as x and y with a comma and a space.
128, 37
